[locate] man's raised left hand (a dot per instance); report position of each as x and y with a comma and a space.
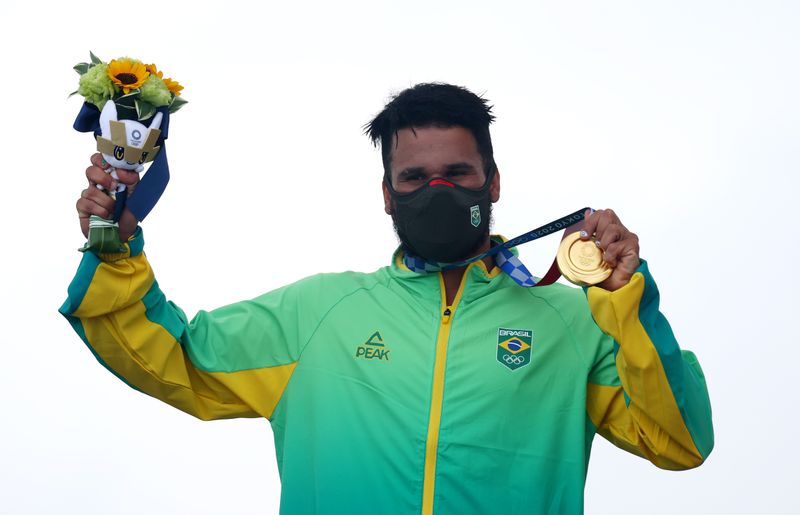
620, 246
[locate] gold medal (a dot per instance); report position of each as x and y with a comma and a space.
581, 262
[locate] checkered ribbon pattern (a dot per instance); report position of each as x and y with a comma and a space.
503, 257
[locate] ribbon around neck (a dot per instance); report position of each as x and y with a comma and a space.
505, 259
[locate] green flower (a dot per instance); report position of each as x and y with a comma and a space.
155, 92
95, 85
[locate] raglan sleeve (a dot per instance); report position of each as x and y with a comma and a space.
234, 361
644, 393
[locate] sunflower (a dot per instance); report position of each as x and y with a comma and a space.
153, 70
173, 86
127, 74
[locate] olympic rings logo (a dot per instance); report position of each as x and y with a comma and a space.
513, 360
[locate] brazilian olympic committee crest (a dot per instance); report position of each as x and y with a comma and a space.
475, 215
514, 347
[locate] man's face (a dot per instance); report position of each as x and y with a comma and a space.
433, 152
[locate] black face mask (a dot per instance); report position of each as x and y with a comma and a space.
442, 221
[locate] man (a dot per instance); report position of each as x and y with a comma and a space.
402, 391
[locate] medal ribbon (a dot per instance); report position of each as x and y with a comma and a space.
504, 258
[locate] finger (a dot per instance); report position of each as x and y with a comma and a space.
611, 214
99, 161
96, 196
87, 207
589, 223
608, 235
618, 250
97, 175
612, 252
127, 177
596, 223
605, 220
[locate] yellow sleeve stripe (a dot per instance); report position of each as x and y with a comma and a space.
630, 428
153, 361
607, 410
642, 375
115, 286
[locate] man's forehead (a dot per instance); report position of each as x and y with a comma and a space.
417, 131
431, 150
433, 142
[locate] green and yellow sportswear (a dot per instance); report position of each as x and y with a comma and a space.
383, 399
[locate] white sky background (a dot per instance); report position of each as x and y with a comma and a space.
682, 116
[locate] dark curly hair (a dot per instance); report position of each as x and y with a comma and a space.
433, 105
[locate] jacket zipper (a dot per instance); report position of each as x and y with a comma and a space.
437, 392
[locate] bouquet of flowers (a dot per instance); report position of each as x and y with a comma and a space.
127, 105
131, 84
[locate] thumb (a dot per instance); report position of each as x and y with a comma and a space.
129, 178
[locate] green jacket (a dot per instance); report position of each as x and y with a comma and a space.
384, 400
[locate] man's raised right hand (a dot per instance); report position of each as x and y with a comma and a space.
95, 201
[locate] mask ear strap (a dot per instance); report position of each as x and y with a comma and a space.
489, 177
388, 182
